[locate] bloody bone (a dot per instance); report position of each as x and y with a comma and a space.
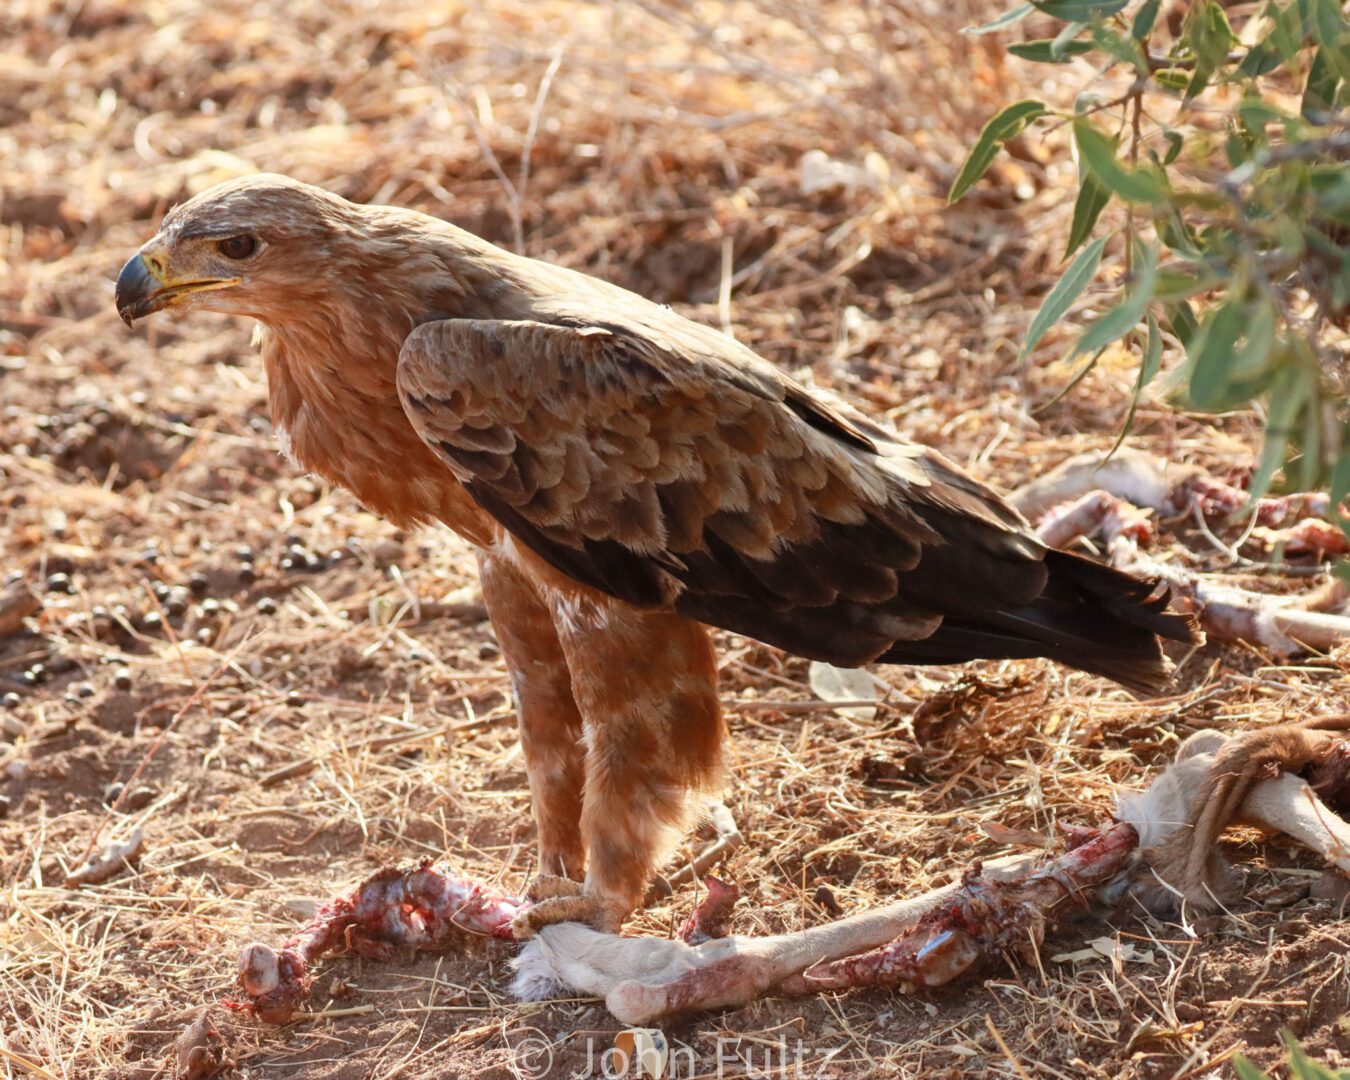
1151, 483
646, 980
711, 918
421, 906
983, 919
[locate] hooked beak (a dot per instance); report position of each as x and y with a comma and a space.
143, 287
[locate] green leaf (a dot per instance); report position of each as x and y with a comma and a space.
1173, 285
1328, 23
1245, 1070
1287, 398
1329, 29
1066, 37
1065, 292
1144, 184
1009, 18
1183, 323
1177, 79
1080, 10
1174, 143
1122, 47
1310, 448
1302, 1067
1209, 37
1252, 357
1210, 382
1148, 370
1041, 50
999, 130
1087, 208
1144, 18
1340, 475
1319, 94
1125, 316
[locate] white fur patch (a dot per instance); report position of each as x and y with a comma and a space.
1164, 806
536, 978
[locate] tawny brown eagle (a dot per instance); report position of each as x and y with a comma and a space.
629, 478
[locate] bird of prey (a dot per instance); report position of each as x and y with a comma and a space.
628, 478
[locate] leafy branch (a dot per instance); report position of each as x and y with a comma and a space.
1226, 148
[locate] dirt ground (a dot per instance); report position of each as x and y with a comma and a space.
295, 694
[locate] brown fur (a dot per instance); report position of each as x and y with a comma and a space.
1188, 859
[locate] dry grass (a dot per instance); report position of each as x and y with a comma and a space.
657, 145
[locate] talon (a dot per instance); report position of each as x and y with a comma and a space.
552, 887
604, 915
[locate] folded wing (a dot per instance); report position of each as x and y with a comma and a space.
682, 471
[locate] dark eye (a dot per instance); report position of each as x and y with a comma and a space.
237, 247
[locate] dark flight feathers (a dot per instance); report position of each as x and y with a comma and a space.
665, 465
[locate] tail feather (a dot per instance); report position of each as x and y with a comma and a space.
1089, 616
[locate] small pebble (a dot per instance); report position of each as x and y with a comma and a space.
210, 608
287, 563
140, 798
122, 679
113, 792
84, 690
17, 770
160, 590
60, 583
205, 635
387, 553
244, 553
177, 603
149, 555
152, 620
11, 700
295, 699
4, 807
487, 650
199, 583
267, 606
824, 896
247, 576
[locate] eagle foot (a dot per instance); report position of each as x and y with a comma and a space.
557, 899
551, 887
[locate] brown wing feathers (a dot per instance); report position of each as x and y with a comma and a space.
664, 478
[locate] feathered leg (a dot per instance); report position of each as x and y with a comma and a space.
550, 724
647, 688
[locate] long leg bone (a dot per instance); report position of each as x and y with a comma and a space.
983, 919
644, 980
421, 906
1277, 623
